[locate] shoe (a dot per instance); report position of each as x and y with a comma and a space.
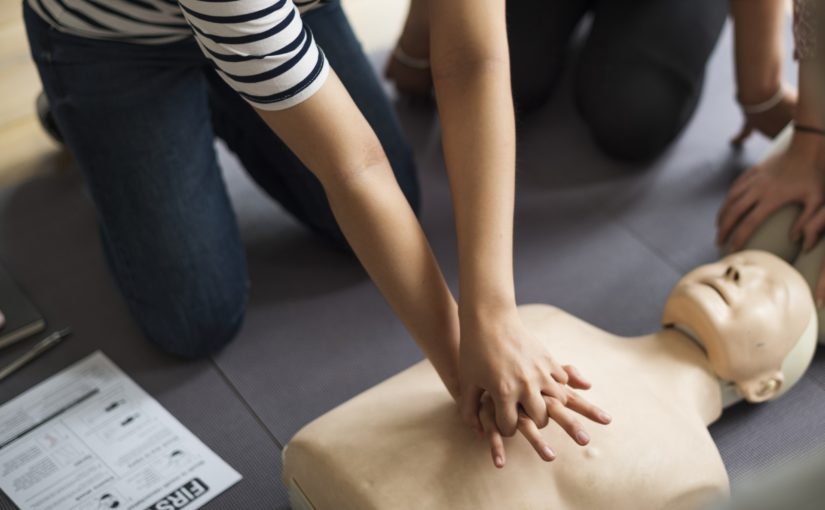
44, 114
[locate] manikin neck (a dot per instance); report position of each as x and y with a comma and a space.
730, 395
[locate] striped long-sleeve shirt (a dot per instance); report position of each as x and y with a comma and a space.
259, 47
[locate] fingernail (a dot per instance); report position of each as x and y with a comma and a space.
499, 461
548, 452
582, 437
606, 418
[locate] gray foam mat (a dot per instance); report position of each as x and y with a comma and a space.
48, 240
756, 438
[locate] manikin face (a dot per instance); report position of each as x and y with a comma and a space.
748, 310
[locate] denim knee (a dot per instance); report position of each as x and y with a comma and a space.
193, 326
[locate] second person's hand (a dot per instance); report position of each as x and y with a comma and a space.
796, 175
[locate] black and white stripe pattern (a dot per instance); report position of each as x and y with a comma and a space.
259, 47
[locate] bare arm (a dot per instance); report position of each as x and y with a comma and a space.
796, 174
471, 74
414, 79
758, 46
759, 52
331, 137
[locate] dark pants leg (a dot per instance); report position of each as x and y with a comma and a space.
641, 71
539, 33
136, 119
274, 167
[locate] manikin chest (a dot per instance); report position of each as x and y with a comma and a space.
402, 445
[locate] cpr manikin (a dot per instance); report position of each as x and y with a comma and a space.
774, 236
742, 328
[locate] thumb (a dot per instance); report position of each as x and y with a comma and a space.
809, 207
469, 402
819, 291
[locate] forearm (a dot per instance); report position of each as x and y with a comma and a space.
479, 153
386, 236
809, 106
470, 66
809, 113
332, 138
415, 37
758, 47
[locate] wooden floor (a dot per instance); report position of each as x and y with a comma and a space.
26, 150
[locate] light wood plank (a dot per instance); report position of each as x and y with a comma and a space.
26, 150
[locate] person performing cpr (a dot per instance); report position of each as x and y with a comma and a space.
139, 89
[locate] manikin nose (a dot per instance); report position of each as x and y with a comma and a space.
732, 274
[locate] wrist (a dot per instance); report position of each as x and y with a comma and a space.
440, 343
808, 146
488, 309
759, 90
763, 101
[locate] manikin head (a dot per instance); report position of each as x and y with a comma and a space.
755, 317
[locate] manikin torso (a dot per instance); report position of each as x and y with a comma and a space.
401, 444
657, 453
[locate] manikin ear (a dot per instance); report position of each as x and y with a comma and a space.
762, 388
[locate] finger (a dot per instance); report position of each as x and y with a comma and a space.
809, 208
531, 433
553, 389
567, 421
812, 229
733, 213
506, 414
558, 372
741, 185
535, 407
488, 423
751, 222
575, 379
819, 293
743, 135
582, 406
469, 401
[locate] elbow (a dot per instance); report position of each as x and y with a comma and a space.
361, 162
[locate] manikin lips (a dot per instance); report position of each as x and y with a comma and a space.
716, 289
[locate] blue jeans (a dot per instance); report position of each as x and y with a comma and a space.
141, 121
